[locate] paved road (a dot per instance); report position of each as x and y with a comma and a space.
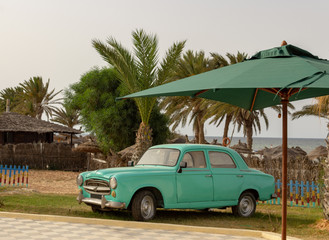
17, 228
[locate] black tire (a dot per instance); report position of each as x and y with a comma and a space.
246, 206
204, 210
97, 209
143, 206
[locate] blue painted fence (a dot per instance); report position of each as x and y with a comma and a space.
302, 194
12, 176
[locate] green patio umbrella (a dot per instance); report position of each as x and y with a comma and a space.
268, 78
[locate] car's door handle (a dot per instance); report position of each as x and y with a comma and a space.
208, 176
239, 175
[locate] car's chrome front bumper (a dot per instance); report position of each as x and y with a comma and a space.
103, 203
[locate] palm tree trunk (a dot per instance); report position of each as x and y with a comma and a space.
228, 120
196, 129
143, 141
201, 132
325, 201
249, 134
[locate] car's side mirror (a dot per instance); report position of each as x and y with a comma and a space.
130, 163
182, 164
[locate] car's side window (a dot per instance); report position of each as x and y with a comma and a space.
221, 160
195, 159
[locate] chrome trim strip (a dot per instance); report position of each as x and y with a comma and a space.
95, 186
100, 202
196, 170
97, 189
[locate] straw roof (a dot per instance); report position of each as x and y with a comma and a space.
318, 152
14, 122
276, 152
89, 147
127, 152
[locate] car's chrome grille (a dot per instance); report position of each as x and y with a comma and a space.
95, 186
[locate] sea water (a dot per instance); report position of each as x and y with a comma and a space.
307, 144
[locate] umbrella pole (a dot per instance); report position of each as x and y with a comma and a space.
284, 101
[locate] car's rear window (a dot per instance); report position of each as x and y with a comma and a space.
221, 160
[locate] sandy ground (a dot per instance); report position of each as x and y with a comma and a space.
43, 181
53, 181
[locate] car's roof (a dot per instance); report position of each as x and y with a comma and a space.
187, 146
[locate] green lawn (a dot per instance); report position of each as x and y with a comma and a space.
301, 221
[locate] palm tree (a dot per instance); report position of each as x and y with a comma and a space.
250, 120
66, 116
219, 111
139, 71
320, 109
11, 94
36, 99
179, 109
219, 61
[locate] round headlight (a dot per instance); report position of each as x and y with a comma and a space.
113, 182
79, 180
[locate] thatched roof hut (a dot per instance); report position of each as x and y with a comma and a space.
17, 128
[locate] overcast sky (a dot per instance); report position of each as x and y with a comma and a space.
52, 39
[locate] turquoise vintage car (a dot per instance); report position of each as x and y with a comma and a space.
178, 176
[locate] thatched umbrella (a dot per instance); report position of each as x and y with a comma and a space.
317, 153
241, 147
88, 147
126, 154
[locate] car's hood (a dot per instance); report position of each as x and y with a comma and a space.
143, 169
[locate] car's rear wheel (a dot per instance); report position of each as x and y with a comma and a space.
143, 206
246, 206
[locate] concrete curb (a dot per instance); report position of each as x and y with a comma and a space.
147, 225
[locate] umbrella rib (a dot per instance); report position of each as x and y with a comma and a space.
270, 90
198, 93
254, 99
293, 91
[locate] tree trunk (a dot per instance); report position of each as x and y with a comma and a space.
248, 127
201, 131
143, 141
196, 129
325, 201
228, 120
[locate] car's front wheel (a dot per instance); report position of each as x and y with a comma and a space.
143, 206
96, 209
246, 206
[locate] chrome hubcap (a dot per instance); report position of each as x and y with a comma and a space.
147, 207
246, 206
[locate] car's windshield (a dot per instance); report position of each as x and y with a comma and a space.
160, 156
